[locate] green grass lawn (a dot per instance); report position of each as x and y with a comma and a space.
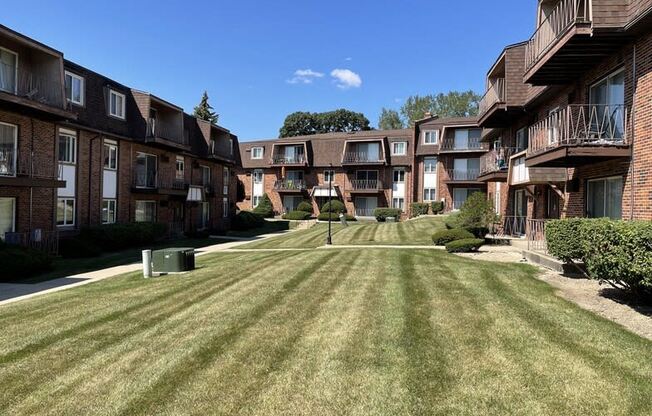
271, 226
325, 332
414, 232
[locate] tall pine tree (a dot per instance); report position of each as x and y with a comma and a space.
204, 111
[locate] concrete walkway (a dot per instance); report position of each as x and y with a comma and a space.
14, 292
431, 247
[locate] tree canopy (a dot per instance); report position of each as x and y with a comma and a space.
302, 123
451, 104
204, 111
390, 119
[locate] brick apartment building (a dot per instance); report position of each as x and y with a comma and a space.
79, 149
567, 115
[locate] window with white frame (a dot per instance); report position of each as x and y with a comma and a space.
604, 198
145, 211
67, 146
65, 212
116, 104
399, 148
429, 194
7, 216
108, 211
329, 176
110, 155
399, 175
180, 168
205, 214
74, 88
258, 176
431, 137
257, 152
225, 181
256, 200
8, 71
430, 165
8, 149
225, 207
398, 203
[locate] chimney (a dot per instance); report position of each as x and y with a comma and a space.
428, 114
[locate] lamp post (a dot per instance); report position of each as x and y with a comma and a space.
329, 240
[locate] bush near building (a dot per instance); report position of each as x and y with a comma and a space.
334, 216
305, 206
437, 207
382, 214
443, 237
114, 237
419, 208
296, 215
614, 251
466, 245
477, 215
246, 220
264, 207
335, 206
20, 262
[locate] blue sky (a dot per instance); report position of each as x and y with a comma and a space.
246, 53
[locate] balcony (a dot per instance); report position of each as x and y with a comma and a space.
365, 186
355, 158
364, 212
565, 44
294, 160
289, 185
450, 144
166, 133
493, 101
468, 175
580, 134
494, 164
152, 182
27, 169
520, 174
289, 154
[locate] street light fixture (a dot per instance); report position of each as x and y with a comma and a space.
329, 240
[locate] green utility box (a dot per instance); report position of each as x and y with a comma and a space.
173, 260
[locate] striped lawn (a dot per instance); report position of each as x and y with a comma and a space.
359, 332
414, 232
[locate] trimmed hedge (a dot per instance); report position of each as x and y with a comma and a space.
246, 220
337, 206
455, 221
264, 208
466, 245
443, 237
382, 214
296, 215
419, 208
452, 221
19, 263
334, 216
78, 247
618, 252
437, 207
116, 237
305, 206
477, 214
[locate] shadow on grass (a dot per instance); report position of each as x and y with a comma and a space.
271, 226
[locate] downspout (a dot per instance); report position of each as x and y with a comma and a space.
633, 135
31, 167
90, 175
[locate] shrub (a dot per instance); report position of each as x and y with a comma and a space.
296, 215
382, 214
336, 206
419, 208
334, 216
565, 238
443, 237
264, 207
246, 220
115, 237
453, 221
78, 247
437, 207
305, 206
466, 245
477, 214
19, 263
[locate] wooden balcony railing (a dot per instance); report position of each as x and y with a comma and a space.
289, 185
288, 160
31, 165
35, 87
497, 160
157, 129
495, 94
463, 175
566, 14
578, 125
450, 144
361, 157
365, 185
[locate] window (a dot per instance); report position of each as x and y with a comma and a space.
205, 214
399, 175
8, 149
399, 148
8, 71
398, 203
180, 168
466, 139
430, 165
329, 176
110, 155
7, 216
145, 211
429, 194
256, 152
67, 146
497, 198
65, 212
225, 207
256, 200
231, 146
225, 181
116, 104
431, 137
607, 99
258, 176
522, 139
604, 198
108, 211
205, 175
74, 88
145, 171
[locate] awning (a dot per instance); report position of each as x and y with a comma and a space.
195, 194
322, 191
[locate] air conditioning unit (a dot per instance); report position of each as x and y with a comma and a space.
173, 260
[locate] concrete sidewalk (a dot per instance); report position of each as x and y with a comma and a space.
14, 292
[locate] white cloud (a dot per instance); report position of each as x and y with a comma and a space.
345, 78
304, 76
398, 100
348, 59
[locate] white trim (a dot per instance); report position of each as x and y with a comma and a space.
15, 70
115, 210
262, 152
15, 147
74, 211
13, 215
111, 145
436, 137
71, 134
405, 145
82, 88
123, 107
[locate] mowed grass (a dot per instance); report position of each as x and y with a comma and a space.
413, 232
350, 331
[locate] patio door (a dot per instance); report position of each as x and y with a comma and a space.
365, 206
607, 107
520, 203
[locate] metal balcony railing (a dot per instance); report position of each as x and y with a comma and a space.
365, 185
289, 185
463, 175
289, 160
509, 226
146, 180
450, 144
497, 160
364, 212
361, 157
536, 235
35, 87
598, 125
47, 241
31, 165
566, 14
495, 94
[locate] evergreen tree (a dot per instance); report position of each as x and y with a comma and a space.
204, 111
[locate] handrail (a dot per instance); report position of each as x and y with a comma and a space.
463, 175
289, 185
289, 160
29, 164
361, 157
509, 226
497, 160
365, 184
472, 143
495, 94
23, 83
157, 129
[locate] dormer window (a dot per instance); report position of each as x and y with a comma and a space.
116, 104
74, 88
256, 152
431, 137
399, 148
